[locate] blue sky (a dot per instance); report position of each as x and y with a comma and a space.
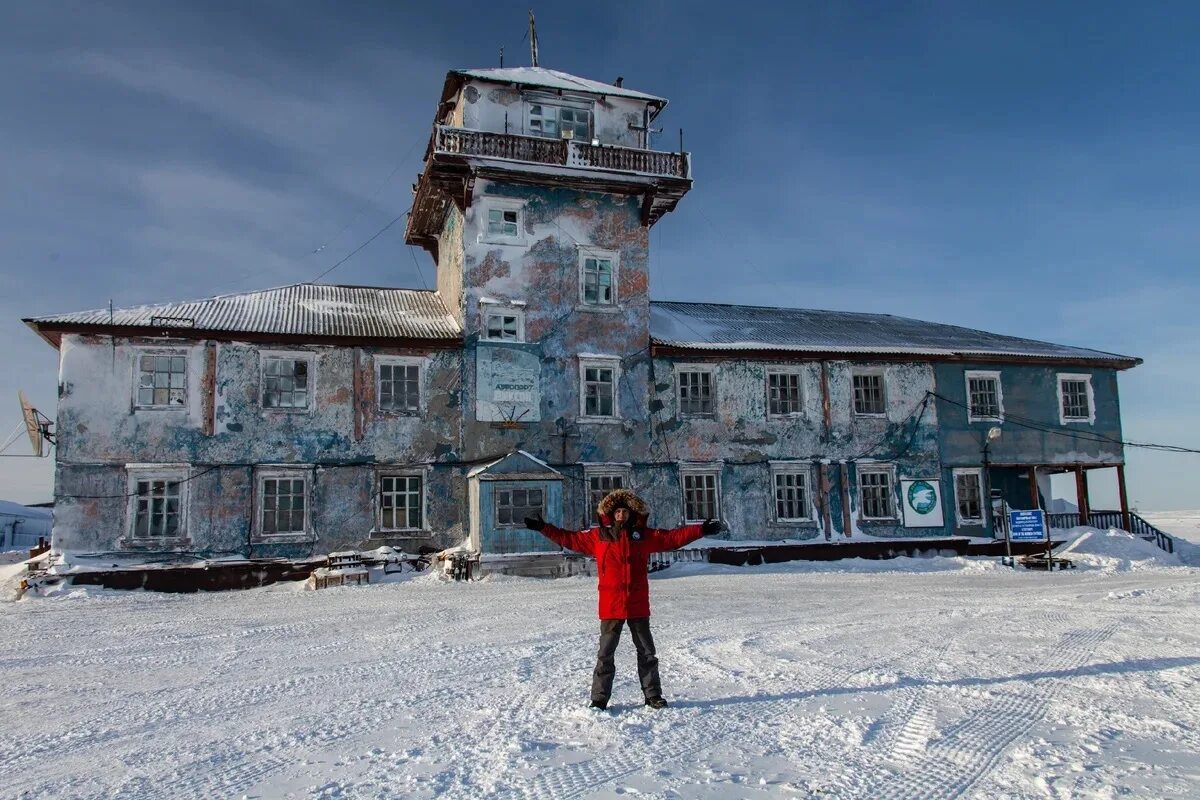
1020, 168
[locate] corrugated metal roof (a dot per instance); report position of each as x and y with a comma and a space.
553, 79
302, 309
713, 326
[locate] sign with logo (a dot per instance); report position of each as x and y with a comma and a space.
1027, 526
508, 385
922, 501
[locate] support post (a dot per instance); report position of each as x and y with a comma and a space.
1126, 522
845, 471
1081, 494
1034, 497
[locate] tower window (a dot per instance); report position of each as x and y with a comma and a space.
503, 222
557, 122
597, 278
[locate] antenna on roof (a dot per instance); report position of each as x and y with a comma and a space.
501, 58
533, 48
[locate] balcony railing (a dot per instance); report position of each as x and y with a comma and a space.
559, 152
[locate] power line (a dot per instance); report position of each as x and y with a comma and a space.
354, 252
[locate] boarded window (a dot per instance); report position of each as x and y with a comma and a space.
598, 394
968, 496
984, 396
783, 390
514, 505
700, 496
400, 388
285, 383
157, 510
868, 394
400, 502
875, 494
695, 392
283, 506
791, 495
1075, 402
162, 381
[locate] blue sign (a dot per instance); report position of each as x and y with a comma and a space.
1027, 526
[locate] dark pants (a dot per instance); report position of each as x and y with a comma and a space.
610, 634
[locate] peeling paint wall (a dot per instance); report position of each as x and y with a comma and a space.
485, 106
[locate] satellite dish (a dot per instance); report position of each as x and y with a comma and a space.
33, 424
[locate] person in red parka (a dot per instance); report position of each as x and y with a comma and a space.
622, 544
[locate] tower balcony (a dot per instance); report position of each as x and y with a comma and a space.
456, 157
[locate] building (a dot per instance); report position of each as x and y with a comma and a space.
21, 527
539, 374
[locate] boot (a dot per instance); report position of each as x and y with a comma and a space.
656, 702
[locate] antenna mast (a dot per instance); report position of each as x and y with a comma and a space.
533, 49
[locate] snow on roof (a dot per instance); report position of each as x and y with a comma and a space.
302, 309
10, 509
714, 326
553, 79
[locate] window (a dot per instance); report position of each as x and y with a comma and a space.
599, 485
875, 493
282, 503
286, 381
783, 394
399, 385
968, 496
598, 387
158, 505
503, 222
557, 122
401, 502
504, 325
869, 397
514, 505
597, 277
985, 400
700, 497
1075, 400
162, 380
791, 494
695, 391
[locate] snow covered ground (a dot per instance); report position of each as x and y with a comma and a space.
1184, 524
938, 678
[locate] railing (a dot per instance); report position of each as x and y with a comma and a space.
559, 152
1115, 519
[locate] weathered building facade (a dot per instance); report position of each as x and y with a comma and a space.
539, 375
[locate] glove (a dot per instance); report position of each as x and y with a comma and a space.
535, 523
710, 526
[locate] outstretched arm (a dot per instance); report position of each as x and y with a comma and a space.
579, 541
662, 540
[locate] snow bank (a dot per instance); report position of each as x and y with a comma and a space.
1114, 551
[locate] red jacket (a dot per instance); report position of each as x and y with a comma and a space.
621, 563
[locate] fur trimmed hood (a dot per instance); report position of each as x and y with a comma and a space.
622, 497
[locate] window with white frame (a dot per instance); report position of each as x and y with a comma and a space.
287, 380
401, 502
968, 496
503, 221
282, 503
600, 482
597, 277
701, 495
1075, 400
503, 324
695, 391
875, 500
161, 380
513, 505
158, 503
985, 398
870, 396
559, 122
784, 395
598, 387
399, 384
791, 493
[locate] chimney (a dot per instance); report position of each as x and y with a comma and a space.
619, 82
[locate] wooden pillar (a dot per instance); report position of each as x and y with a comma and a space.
826, 516
846, 529
826, 406
356, 392
1033, 488
1081, 494
1125, 520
